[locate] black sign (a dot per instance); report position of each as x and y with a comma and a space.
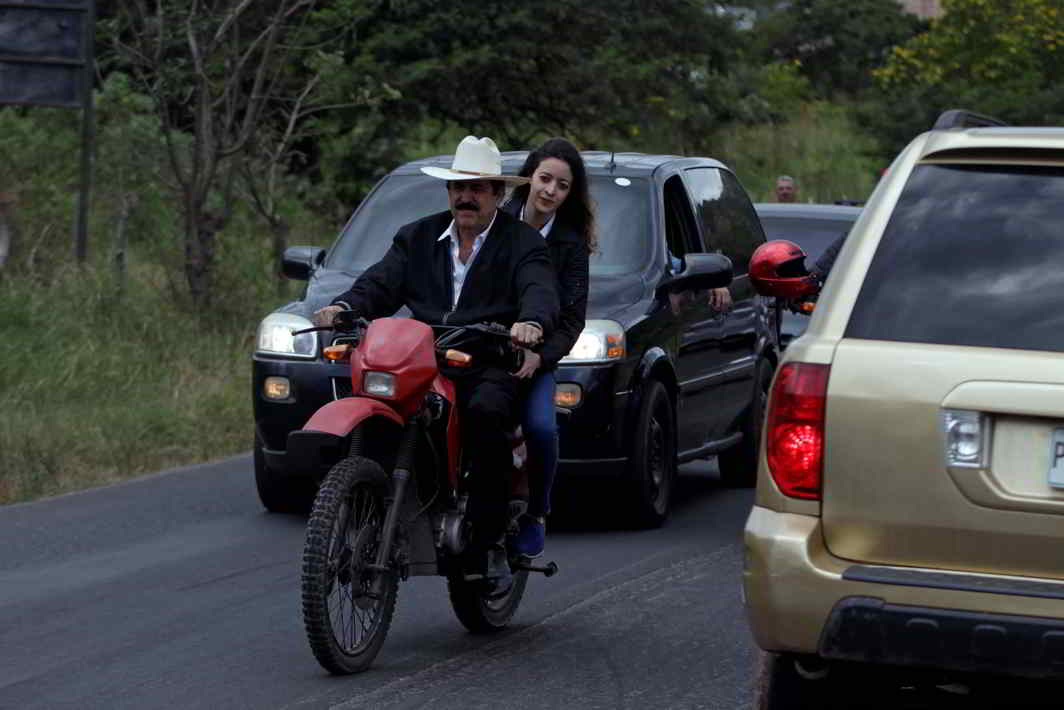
44, 51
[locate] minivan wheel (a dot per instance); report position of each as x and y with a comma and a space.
279, 494
738, 465
652, 464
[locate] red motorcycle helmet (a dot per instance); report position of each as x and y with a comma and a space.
777, 268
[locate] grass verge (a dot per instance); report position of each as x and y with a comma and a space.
99, 386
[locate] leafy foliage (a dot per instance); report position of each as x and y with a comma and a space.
599, 71
40, 147
1000, 57
821, 146
837, 43
230, 82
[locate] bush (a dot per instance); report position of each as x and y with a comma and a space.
109, 373
820, 146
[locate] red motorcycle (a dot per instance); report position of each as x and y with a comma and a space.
394, 491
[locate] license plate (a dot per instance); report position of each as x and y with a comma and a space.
1056, 459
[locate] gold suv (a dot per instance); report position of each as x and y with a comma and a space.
909, 513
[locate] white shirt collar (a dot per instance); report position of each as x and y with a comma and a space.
545, 229
458, 269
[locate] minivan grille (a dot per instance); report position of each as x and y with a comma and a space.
341, 387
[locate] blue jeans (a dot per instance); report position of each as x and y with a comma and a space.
540, 428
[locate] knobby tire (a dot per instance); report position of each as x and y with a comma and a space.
347, 610
477, 612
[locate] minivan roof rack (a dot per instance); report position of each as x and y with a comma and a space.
962, 118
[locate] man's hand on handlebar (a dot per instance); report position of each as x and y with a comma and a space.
526, 333
324, 316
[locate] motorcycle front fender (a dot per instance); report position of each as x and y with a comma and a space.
321, 442
342, 415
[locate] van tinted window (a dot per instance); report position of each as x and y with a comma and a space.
729, 223
972, 255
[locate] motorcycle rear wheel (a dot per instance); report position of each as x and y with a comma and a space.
477, 612
347, 608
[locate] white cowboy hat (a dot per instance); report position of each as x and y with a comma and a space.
475, 159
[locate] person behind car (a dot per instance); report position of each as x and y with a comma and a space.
470, 264
557, 202
786, 189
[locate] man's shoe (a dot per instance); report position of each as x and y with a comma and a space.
498, 577
530, 538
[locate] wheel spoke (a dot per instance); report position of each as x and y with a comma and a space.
353, 620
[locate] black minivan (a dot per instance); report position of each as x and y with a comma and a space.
657, 378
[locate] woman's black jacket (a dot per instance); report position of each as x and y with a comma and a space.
569, 253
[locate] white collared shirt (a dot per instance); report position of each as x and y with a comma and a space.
460, 270
545, 229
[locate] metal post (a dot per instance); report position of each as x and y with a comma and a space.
88, 136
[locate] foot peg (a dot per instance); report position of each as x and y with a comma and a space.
547, 570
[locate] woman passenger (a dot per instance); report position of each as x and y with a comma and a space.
557, 203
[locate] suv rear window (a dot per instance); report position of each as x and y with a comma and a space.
971, 256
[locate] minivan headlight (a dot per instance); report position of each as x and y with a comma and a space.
275, 336
600, 341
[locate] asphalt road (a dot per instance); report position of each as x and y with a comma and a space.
178, 591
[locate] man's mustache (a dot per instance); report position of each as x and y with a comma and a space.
465, 206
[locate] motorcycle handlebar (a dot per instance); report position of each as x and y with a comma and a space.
454, 333
451, 338
344, 323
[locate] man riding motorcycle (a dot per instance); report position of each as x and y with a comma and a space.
470, 264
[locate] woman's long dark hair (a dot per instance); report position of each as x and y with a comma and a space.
577, 210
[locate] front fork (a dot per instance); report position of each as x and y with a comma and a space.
400, 477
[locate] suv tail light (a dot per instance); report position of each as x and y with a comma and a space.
794, 443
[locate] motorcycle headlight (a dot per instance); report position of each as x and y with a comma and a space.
600, 341
381, 384
275, 336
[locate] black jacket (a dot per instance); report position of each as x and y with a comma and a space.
569, 254
510, 280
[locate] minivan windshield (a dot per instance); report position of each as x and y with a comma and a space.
971, 256
622, 222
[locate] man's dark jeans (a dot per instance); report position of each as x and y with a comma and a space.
487, 400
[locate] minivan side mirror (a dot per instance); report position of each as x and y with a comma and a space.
300, 262
704, 271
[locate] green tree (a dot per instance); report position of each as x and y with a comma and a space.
218, 71
999, 57
837, 43
593, 70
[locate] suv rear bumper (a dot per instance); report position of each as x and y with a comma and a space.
802, 599
868, 629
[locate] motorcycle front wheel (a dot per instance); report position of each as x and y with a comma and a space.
479, 613
347, 606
